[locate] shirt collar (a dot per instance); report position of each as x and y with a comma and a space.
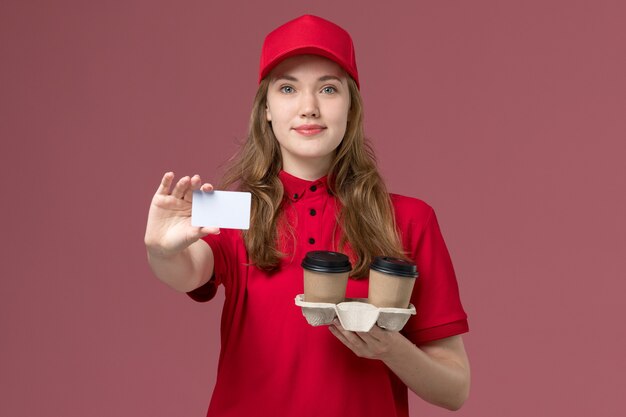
296, 188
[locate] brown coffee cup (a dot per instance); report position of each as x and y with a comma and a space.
325, 276
391, 282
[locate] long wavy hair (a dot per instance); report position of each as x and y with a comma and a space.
366, 213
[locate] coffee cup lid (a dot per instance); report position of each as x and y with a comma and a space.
326, 261
394, 266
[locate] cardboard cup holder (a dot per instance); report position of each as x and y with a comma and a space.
355, 314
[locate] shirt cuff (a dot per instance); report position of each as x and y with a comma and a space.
438, 332
205, 292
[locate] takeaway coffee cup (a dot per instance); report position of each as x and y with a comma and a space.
391, 282
325, 276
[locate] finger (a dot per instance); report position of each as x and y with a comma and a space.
375, 334
195, 185
206, 187
379, 333
203, 231
340, 336
181, 187
166, 181
351, 337
196, 182
368, 338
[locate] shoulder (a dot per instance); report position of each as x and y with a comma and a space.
410, 209
412, 216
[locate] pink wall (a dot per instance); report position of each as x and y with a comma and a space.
507, 117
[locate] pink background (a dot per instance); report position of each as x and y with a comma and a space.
508, 117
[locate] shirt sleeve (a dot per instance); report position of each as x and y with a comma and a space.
435, 295
220, 248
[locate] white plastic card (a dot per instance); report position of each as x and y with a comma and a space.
227, 209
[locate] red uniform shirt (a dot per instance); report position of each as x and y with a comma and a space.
273, 363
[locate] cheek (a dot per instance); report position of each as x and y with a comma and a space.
281, 113
341, 118
341, 111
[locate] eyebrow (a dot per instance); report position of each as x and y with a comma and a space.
292, 78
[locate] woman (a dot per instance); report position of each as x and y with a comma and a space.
314, 186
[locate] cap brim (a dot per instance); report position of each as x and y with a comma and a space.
312, 50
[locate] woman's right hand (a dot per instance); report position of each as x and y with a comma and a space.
169, 230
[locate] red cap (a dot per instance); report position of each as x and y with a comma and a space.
308, 34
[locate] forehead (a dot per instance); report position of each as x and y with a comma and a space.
308, 65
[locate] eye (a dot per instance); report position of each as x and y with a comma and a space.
329, 89
286, 89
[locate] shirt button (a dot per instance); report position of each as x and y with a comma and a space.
311, 240
295, 196
313, 212
313, 188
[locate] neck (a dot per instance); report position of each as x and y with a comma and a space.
306, 169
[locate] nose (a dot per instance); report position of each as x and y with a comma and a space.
309, 106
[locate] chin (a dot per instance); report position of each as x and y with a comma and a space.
312, 156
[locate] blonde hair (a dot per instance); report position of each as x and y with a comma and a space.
366, 213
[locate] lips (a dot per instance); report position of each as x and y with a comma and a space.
309, 129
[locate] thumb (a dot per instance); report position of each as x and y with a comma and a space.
203, 231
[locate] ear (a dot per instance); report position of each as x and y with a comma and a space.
268, 115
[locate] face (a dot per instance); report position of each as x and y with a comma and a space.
307, 104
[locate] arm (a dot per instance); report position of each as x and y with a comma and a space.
437, 371
176, 253
186, 270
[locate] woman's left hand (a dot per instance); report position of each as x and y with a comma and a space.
376, 344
